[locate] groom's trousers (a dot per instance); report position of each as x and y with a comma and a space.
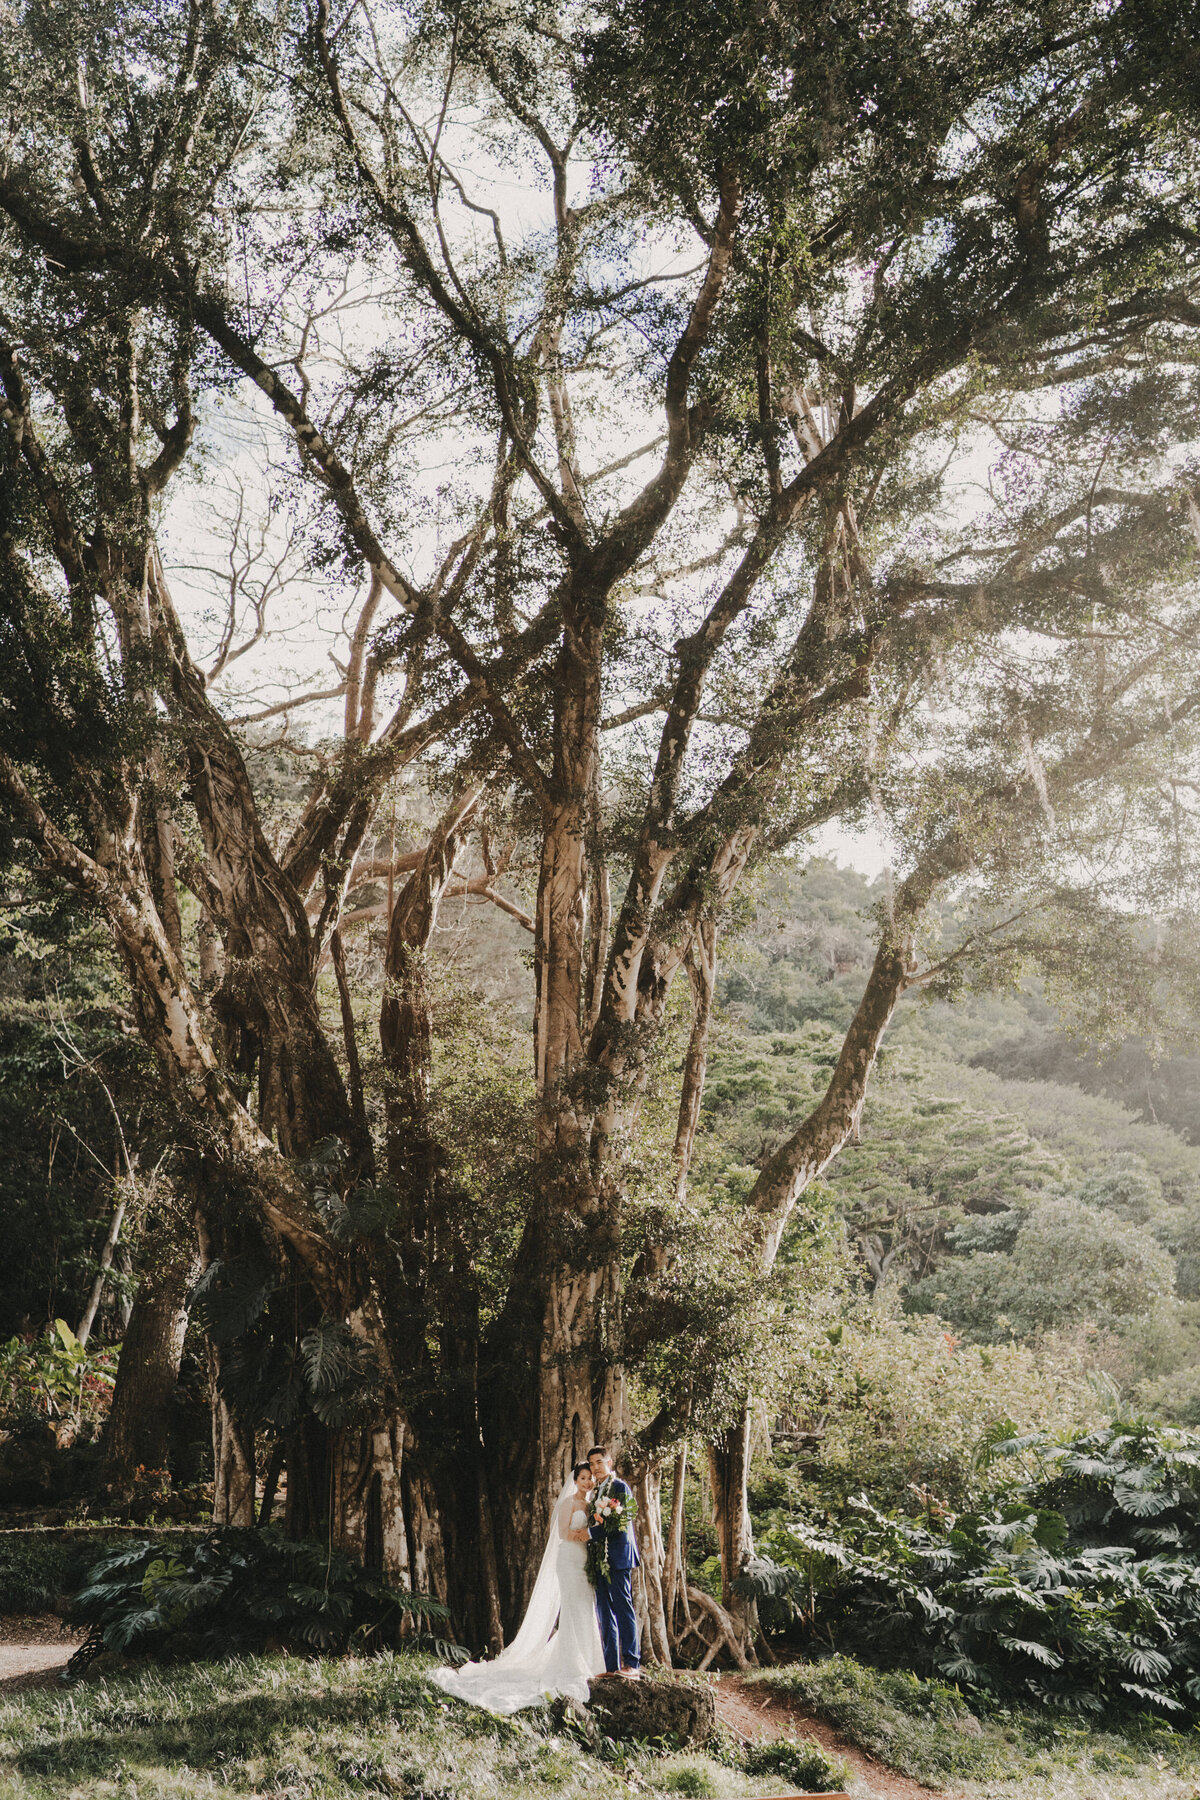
618, 1621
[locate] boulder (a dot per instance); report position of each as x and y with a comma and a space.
657, 1706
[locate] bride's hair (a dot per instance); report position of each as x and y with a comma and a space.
581, 1469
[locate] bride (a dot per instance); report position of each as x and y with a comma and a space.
542, 1660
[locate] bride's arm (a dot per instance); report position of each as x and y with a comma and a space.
564, 1521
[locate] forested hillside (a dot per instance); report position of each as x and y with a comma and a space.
1014, 1247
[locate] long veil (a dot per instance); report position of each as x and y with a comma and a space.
512, 1679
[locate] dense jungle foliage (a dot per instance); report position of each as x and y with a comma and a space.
239, 1592
1078, 1586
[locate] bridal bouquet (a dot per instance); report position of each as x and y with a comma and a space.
612, 1515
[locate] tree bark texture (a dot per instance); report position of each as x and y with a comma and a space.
136, 1434
729, 1465
234, 1474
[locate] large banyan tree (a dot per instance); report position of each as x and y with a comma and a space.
730, 420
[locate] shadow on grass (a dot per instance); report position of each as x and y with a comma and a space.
214, 1733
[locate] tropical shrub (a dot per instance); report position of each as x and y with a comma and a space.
241, 1591
1081, 1589
1133, 1482
38, 1568
800, 1761
55, 1377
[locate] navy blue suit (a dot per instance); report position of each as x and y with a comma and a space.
614, 1597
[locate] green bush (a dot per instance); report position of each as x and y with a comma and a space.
1092, 1603
1070, 1264
55, 1377
901, 1403
32, 1576
800, 1761
1131, 1483
240, 1591
38, 1568
690, 1780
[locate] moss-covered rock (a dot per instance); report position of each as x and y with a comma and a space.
654, 1708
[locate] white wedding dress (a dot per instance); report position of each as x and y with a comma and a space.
543, 1660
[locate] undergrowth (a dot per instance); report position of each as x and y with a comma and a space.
248, 1591
39, 1567
927, 1730
1077, 1588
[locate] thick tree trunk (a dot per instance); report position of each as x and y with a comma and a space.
266, 1002
729, 1464
406, 1032
234, 1475
423, 1516
570, 1261
136, 1434
429, 1404
366, 1501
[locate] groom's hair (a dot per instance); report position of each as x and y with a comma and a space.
597, 1450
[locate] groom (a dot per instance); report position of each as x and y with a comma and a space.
614, 1597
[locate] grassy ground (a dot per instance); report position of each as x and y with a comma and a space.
282, 1728
926, 1730
279, 1728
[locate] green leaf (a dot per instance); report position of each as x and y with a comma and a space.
230, 1296
69, 1340
162, 1569
328, 1353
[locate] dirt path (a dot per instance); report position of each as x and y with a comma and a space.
33, 1648
754, 1714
